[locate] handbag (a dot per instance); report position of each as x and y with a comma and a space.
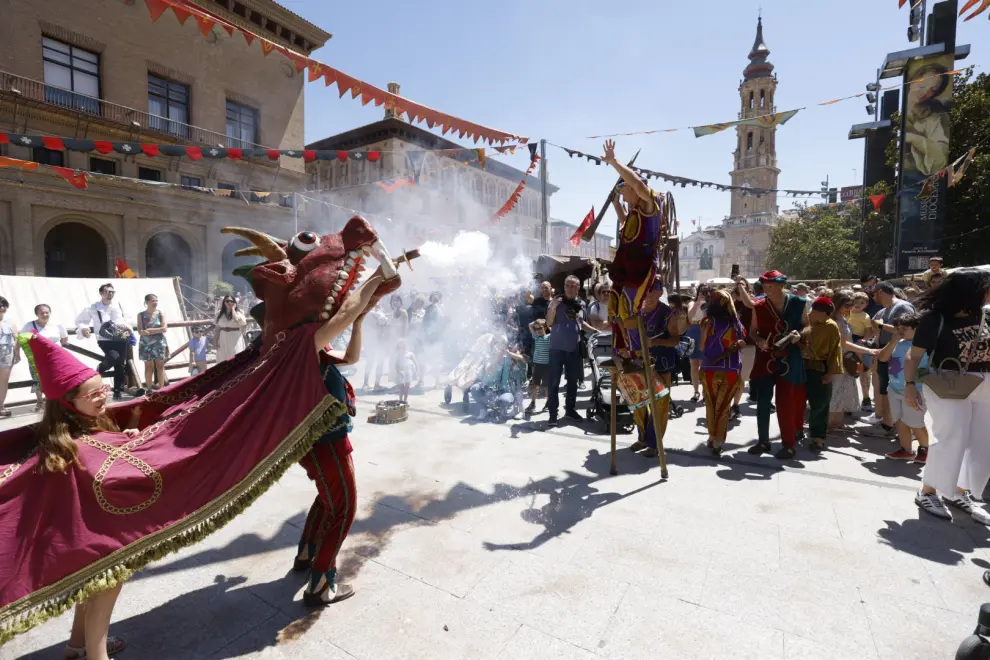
949, 383
852, 365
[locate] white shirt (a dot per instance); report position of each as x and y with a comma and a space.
99, 313
53, 331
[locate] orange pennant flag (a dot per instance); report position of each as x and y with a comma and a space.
315, 70
15, 162
248, 37
156, 8
267, 47
979, 10
205, 25
75, 179
181, 14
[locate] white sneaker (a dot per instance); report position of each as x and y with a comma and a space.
931, 503
873, 420
964, 502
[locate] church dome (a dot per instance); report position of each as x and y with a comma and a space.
759, 65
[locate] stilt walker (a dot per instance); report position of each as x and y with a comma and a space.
644, 227
614, 470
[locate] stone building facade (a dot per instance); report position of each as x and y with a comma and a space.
560, 243
450, 197
101, 70
747, 229
702, 255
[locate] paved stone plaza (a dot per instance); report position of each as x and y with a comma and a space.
478, 541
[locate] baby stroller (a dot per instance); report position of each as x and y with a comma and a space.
600, 406
468, 371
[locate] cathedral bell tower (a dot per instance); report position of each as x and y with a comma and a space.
755, 164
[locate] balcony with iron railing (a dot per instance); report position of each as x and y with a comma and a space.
19, 88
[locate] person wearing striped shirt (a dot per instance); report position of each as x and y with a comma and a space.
541, 360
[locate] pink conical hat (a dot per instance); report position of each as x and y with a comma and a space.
58, 370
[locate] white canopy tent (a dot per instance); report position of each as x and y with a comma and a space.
67, 297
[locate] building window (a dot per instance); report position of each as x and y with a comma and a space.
149, 174
72, 76
751, 100
48, 156
242, 125
226, 186
749, 141
763, 98
288, 201
102, 165
191, 181
168, 102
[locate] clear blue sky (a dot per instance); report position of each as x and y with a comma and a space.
564, 70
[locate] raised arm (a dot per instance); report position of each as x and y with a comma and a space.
630, 178
351, 308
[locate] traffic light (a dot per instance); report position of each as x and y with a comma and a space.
915, 17
871, 98
825, 190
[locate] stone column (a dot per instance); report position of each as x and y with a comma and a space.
25, 243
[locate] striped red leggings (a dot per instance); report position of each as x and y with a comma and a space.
332, 512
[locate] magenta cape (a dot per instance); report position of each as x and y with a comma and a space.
208, 447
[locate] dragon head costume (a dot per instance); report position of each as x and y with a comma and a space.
306, 279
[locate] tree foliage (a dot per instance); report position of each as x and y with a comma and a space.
820, 244
967, 228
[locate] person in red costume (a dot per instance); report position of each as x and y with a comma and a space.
201, 450
778, 371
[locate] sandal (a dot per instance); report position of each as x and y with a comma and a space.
343, 592
114, 645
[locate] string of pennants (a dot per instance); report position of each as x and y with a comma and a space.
514, 197
218, 153
416, 112
80, 179
685, 181
970, 4
774, 118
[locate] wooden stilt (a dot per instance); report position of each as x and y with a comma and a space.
613, 470
644, 341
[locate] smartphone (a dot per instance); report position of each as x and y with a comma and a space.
735, 271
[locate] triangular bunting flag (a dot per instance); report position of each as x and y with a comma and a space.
588, 219
75, 179
156, 8
877, 201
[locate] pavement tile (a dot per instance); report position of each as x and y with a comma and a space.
565, 601
409, 624
440, 556
529, 643
663, 563
868, 563
903, 632
820, 610
647, 625
281, 638
800, 648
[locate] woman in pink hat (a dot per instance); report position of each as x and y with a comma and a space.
75, 406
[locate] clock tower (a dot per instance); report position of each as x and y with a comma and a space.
755, 166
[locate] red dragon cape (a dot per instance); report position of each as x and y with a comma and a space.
208, 446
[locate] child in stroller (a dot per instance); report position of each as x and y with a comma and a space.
499, 394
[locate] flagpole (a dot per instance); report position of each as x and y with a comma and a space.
544, 209
295, 213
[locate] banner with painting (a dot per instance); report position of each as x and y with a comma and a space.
925, 126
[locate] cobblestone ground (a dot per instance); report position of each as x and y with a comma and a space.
476, 540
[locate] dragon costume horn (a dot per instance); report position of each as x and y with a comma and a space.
268, 247
253, 251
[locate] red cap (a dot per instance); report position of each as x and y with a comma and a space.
58, 370
825, 303
773, 276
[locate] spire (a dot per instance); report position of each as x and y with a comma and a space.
758, 67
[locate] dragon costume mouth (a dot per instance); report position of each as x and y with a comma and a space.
350, 273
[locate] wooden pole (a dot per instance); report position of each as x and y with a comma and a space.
613, 470
644, 341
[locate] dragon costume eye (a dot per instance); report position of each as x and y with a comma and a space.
305, 241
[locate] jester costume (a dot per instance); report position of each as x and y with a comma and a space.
206, 448
636, 266
721, 365
778, 373
665, 363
